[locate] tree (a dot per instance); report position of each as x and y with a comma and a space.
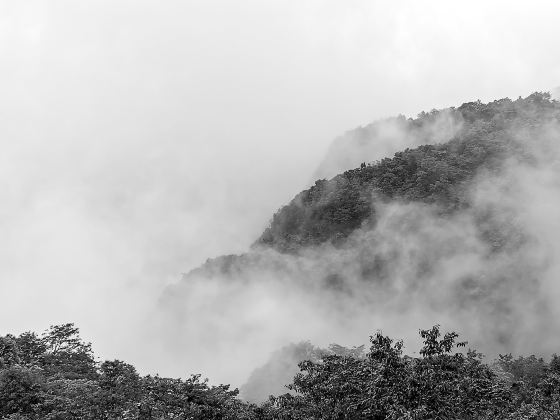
120, 388
20, 390
66, 354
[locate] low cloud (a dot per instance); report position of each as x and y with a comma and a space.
488, 272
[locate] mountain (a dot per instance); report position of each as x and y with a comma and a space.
484, 139
486, 135
462, 231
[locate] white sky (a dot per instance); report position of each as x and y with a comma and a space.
139, 138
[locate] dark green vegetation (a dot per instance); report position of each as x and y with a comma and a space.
55, 376
437, 174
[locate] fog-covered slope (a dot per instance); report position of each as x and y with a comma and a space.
462, 233
484, 136
385, 137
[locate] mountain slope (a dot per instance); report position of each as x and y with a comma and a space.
462, 233
433, 174
386, 137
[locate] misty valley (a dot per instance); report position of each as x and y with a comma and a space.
446, 253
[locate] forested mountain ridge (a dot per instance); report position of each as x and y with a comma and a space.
434, 174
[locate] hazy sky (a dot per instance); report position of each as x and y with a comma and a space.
139, 138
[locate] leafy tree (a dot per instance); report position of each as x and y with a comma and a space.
120, 388
31, 349
66, 354
388, 385
20, 390
9, 352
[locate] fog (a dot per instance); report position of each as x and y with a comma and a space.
140, 138
488, 271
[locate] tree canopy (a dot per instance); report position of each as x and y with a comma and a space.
434, 173
60, 379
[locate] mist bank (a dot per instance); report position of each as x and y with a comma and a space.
478, 254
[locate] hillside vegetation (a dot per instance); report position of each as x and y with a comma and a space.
55, 376
434, 174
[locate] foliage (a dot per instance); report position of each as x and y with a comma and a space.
436, 174
444, 382
55, 377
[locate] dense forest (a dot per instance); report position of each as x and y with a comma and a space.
436, 174
328, 239
56, 376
